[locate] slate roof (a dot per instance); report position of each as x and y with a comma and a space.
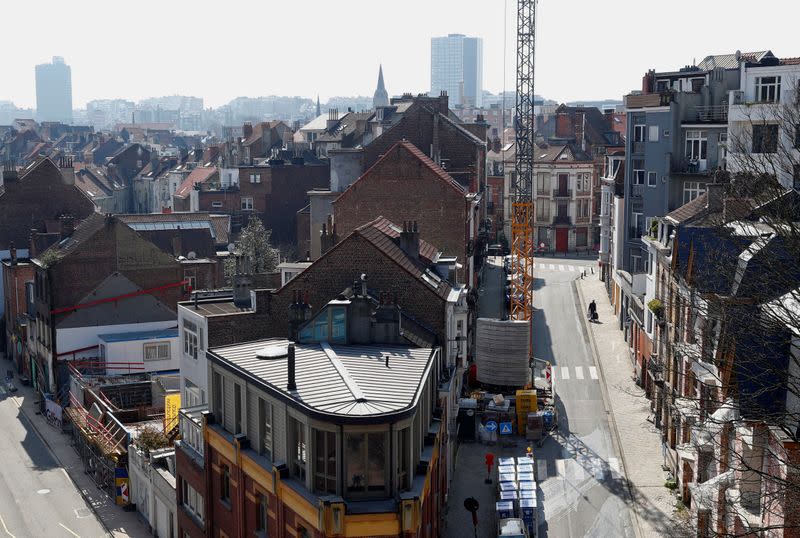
83, 232
347, 125
728, 61
688, 210
340, 380
553, 153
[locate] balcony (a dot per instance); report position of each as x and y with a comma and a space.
637, 191
583, 220
562, 219
542, 192
562, 193
692, 167
648, 100
709, 114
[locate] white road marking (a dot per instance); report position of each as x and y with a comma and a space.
564, 372
541, 470
614, 464
578, 372
551, 266
3, 521
572, 268
561, 268
560, 468
69, 531
593, 372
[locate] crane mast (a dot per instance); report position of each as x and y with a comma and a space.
522, 245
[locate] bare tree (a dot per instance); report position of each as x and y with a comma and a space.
729, 334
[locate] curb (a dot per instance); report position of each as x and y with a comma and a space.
615, 438
91, 506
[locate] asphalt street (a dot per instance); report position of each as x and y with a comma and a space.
584, 493
37, 498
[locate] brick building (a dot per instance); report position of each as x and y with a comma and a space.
406, 185
17, 277
313, 445
103, 278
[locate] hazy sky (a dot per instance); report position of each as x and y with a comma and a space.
586, 49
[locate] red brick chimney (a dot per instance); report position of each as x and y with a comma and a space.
247, 129
563, 125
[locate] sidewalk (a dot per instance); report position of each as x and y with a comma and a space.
117, 521
637, 439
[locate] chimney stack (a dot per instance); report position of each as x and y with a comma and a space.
67, 171
13, 252
247, 129
409, 239
67, 225
290, 364
333, 118
714, 197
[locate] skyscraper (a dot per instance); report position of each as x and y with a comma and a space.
54, 91
381, 96
457, 68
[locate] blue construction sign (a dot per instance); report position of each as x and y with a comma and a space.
491, 426
505, 428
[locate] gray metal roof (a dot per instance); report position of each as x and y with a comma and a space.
343, 380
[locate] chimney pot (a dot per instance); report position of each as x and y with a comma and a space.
291, 384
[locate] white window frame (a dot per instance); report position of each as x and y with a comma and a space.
255, 178
640, 132
639, 177
247, 203
191, 338
696, 145
769, 91
691, 190
216, 204
163, 350
192, 501
652, 179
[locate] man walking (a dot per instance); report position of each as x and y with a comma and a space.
592, 311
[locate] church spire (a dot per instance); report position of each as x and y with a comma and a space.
319, 112
381, 97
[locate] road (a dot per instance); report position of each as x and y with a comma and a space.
581, 490
37, 498
583, 494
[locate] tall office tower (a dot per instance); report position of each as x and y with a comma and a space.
54, 91
457, 68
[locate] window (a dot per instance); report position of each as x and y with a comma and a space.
216, 204
662, 86
237, 408
583, 209
697, 84
338, 325
324, 462
192, 501
696, 145
542, 209
247, 203
265, 428
638, 173
652, 133
365, 461
581, 237
584, 181
768, 89
636, 228
652, 179
765, 138
542, 182
691, 190
298, 453
190, 340
255, 178
225, 484
261, 514
321, 328
639, 133
156, 351
191, 280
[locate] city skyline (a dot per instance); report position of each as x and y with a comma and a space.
565, 71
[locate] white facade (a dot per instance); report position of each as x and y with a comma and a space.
140, 353
766, 96
192, 343
563, 198
153, 489
289, 270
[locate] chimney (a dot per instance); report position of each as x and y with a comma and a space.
67, 171
714, 196
247, 130
363, 284
13, 253
409, 239
328, 236
9, 173
444, 106
177, 243
333, 118
290, 365
32, 250
67, 225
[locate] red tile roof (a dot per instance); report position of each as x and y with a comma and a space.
201, 174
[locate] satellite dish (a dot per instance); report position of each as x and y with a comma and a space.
192, 255
231, 247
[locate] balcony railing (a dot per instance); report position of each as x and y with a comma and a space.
543, 192
582, 219
637, 190
562, 193
685, 166
638, 148
711, 114
562, 219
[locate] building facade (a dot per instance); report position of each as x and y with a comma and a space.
457, 69
54, 91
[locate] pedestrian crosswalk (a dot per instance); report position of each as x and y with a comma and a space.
576, 373
577, 468
560, 267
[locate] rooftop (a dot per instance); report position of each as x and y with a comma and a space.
340, 380
140, 335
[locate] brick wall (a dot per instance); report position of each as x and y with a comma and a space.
400, 187
187, 470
